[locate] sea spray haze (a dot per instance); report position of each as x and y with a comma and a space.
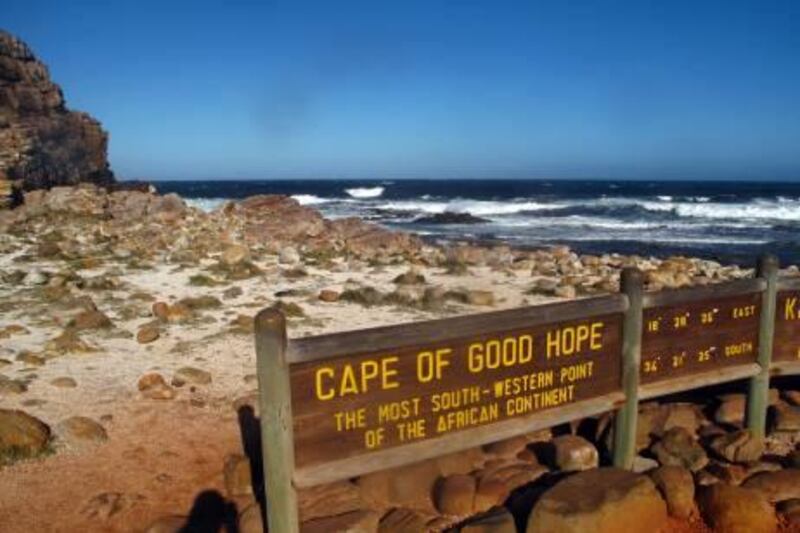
728, 221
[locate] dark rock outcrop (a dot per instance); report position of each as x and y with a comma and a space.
42, 143
449, 217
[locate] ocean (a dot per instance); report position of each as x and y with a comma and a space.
732, 222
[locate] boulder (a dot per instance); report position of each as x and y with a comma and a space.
776, 486
410, 486
154, 387
234, 255
455, 495
676, 484
497, 521
602, 500
731, 509
738, 447
21, 435
190, 375
401, 520
81, 431
572, 453
678, 448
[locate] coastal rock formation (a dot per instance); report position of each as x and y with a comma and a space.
42, 143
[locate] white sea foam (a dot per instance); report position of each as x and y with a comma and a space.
474, 207
750, 211
365, 192
310, 199
206, 204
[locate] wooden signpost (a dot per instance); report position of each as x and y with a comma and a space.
342, 405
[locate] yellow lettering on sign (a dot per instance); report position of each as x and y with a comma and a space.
789, 311
463, 418
496, 353
430, 364
574, 339
323, 392
355, 378
744, 312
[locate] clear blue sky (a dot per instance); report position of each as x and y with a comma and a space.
666, 89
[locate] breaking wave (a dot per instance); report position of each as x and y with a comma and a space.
365, 192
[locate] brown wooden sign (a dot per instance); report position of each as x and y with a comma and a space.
364, 399
695, 337
786, 346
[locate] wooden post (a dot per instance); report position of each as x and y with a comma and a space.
758, 393
277, 443
632, 285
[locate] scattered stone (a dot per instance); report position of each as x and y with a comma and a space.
328, 295
235, 255
738, 447
64, 382
90, 319
289, 309
676, 484
572, 453
733, 509
288, 256
479, 297
243, 324
232, 292
411, 277
200, 302
366, 296
11, 386
565, 291
202, 280
601, 500
787, 419
68, 342
30, 359
79, 431
191, 375
147, 334
678, 448
154, 387
21, 435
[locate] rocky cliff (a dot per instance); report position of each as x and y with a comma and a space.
42, 143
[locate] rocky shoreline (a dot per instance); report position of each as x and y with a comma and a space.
126, 320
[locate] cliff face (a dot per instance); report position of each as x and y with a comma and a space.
42, 143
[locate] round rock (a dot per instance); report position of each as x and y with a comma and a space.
603, 500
